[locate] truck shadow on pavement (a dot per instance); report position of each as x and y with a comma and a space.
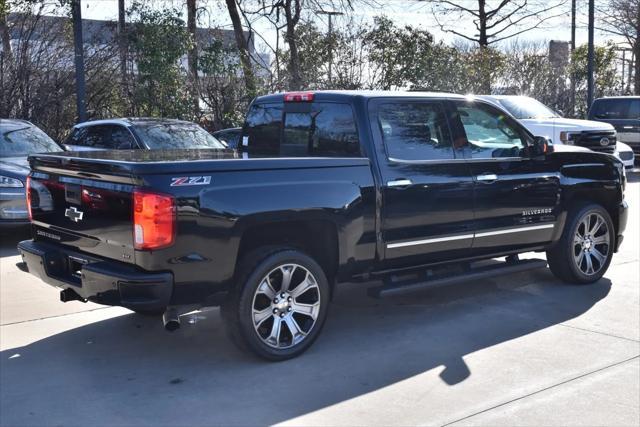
10, 238
127, 370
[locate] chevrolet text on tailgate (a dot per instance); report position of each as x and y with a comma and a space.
327, 187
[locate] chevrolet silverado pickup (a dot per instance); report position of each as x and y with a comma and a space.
410, 189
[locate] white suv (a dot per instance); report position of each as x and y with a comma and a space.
543, 121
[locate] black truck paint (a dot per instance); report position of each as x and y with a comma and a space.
360, 216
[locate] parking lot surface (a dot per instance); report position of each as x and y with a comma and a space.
522, 349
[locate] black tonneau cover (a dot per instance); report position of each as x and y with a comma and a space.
131, 163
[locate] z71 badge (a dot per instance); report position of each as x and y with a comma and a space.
190, 180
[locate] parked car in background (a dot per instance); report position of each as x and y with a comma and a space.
139, 133
623, 112
410, 188
19, 138
544, 121
230, 136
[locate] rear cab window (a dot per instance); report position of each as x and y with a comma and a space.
304, 129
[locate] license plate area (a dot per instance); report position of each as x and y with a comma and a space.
73, 193
74, 266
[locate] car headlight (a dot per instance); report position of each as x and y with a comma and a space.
565, 137
7, 182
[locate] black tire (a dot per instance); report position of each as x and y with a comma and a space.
238, 313
561, 257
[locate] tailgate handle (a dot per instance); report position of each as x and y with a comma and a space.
487, 178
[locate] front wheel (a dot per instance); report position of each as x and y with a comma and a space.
585, 249
279, 305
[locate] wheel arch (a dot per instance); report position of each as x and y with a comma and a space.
318, 238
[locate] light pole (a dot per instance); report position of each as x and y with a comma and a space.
573, 48
590, 56
330, 14
76, 13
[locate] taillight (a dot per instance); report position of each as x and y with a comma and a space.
154, 218
28, 191
298, 97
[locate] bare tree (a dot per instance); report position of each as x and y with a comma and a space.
286, 16
40, 86
622, 18
494, 21
4, 33
243, 47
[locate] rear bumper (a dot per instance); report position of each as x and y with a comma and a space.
96, 279
623, 215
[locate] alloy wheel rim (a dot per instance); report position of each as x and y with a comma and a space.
285, 306
591, 244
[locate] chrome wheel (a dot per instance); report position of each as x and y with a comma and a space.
286, 306
591, 244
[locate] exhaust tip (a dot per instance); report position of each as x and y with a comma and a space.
171, 319
172, 325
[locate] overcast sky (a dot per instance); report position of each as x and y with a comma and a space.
417, 14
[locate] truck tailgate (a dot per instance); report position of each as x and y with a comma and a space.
92, 213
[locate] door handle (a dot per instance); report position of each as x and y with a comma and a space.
399, 183
487, 178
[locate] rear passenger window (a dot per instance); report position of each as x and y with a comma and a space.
262, 129
415, 131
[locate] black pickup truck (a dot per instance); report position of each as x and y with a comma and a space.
327, 187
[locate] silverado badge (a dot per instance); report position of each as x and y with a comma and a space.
539, 211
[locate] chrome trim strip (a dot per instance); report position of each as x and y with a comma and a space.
514, 230
456, 160
580, 165
469, 236
399, 183
427, 241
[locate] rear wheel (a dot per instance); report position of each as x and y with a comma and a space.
280, 304
585, 249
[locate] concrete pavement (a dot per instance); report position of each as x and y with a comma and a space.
518, 350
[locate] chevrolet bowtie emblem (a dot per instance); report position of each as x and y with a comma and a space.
73, 214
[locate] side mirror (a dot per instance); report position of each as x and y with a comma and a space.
541, 146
